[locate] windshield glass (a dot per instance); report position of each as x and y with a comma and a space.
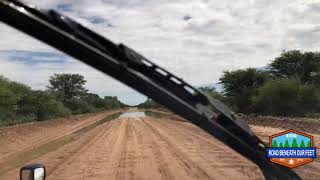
258, 58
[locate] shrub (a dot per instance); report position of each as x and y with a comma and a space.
309, 99
15, 119
43, 105
8, 101
10, 94
278, 97
112, 102
94, 100
51, 109
79, 106
149, 103
240, 85
286, 97
19, 103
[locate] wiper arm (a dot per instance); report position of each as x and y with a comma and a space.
134, 70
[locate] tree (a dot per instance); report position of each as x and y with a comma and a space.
11, 94
149, 103
286, 144
275, 144
302, 145
112, 102
19, 103
287, 97
294, 143
281, 145
309, 144
211, 91
240, 85
68, 85
79, 106
298, 64
309, 99
94, 100
43, 105
277, 97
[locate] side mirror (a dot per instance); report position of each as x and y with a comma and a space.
33, 172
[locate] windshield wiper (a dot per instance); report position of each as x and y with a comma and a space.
134, 70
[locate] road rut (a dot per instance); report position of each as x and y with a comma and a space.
150, 148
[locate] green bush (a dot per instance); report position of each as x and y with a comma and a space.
79, 106
19, 103
89, 102
287, 98
8, 101
15, 119
51, 108
112, 102
29, 104
309, 100
149, 103
10, 95
94, 100
43, 105
240, 85
11, 92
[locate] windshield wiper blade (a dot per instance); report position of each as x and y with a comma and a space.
134, 70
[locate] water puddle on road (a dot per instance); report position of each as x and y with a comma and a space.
133, 115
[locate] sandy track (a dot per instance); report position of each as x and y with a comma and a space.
146, 149
153, 149
149, 148
27, 136
26, 141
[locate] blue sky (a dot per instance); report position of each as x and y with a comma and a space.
195, 39
282, 139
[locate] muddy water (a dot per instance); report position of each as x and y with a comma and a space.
133, 115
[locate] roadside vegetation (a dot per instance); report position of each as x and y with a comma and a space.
150, 104
288, 86
66, 95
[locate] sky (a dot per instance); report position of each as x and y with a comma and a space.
196, 40
282, 139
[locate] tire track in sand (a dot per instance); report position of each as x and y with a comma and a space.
85, 146
188, 165
23, 157
144, 149
84, 162
141, 149
208, 153
152, 150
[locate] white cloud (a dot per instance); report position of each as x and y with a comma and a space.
218, 35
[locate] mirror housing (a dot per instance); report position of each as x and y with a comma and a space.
33, 172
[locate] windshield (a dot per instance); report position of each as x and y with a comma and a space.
258, 58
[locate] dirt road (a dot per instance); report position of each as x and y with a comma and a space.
148, 148
30, 135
